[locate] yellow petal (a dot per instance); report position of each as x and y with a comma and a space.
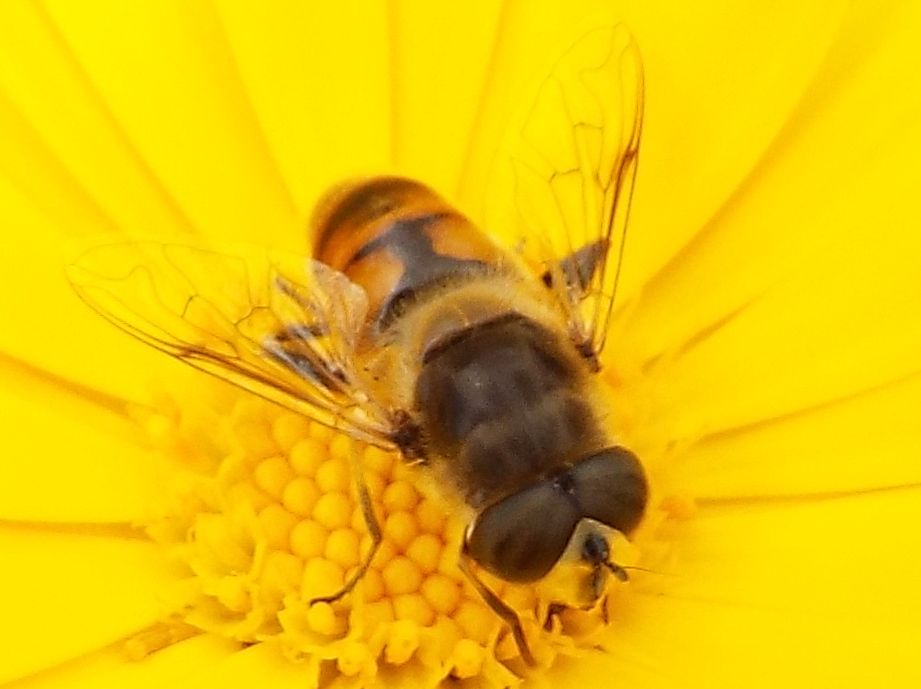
774, 591
318, 78
861, 442
260, 665
720, 80
70, 454
804, 593
81, 169
65, 594
108, 669
437, 98
44, 323
824, 302
175, 92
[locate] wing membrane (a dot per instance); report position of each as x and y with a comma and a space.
569, 165
281, 326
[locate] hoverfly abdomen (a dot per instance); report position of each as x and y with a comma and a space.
398, 239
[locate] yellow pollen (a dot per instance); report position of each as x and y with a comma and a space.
431, 517
441, 592
277, 524
400, 495
254, 437
333, 510
321, 578
372, 585
340, 445
300, 496
449, 633
467, 659
385, 553
402, 643
401, 528
425, 551
322, 619
476, 621
377, 461
358, 519
308, 539
333, 475
245, 493
232, 593
378, 614
412, 606
342, 547
222, 542
401, 575
306, 456
322, 433
284, 571
375, 483
289, 429
272, 475
353, 657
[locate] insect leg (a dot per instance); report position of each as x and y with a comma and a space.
508, 615
554, 610
604, 610
374, 528
578, 268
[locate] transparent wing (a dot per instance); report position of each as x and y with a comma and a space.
281, 326
561, 188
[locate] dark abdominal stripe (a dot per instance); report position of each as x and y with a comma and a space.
423, 268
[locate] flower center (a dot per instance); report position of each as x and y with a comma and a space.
264, 520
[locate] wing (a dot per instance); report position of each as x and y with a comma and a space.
561, 189
281, 326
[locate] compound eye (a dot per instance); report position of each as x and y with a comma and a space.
521, 537
611, 488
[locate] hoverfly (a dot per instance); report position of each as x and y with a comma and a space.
411, 329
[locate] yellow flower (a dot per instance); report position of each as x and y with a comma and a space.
766, 357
